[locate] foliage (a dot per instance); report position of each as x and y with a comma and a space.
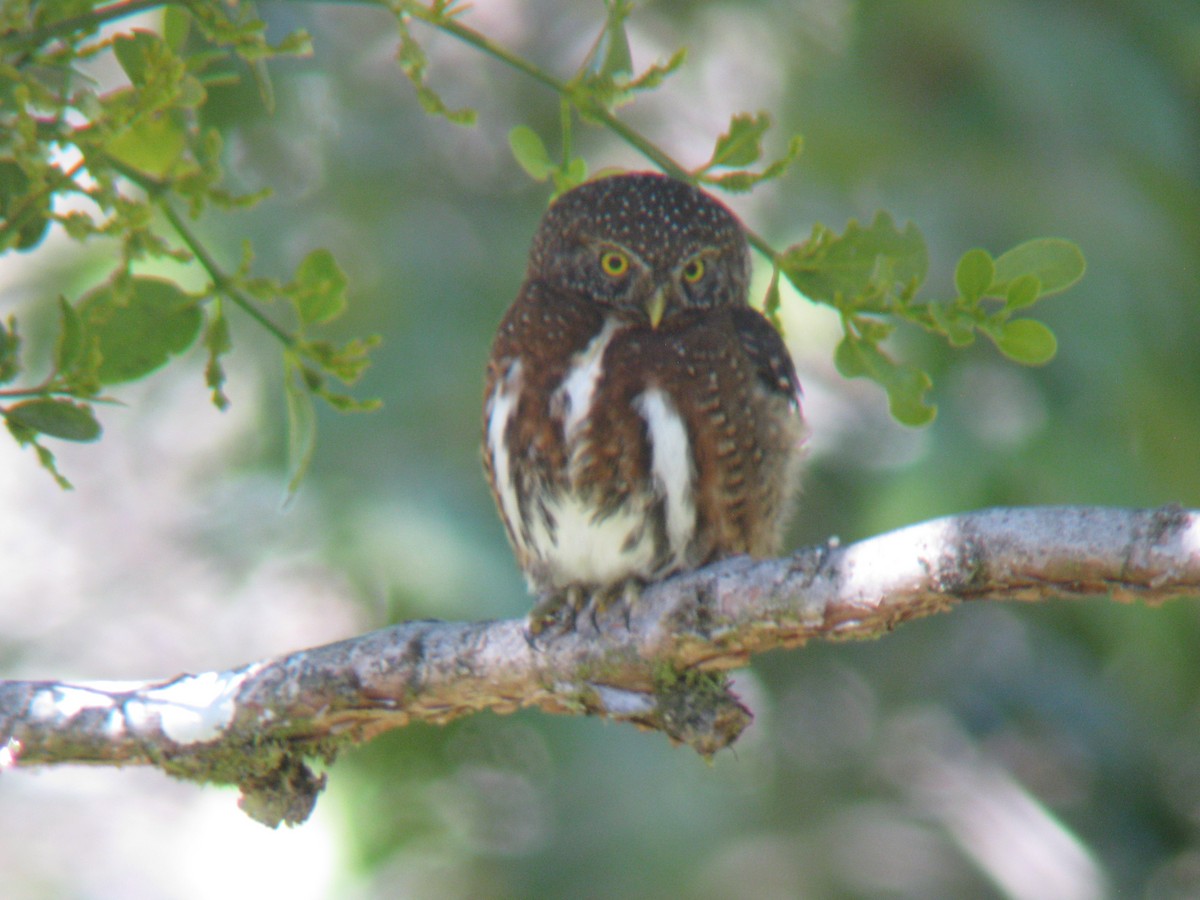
147, 167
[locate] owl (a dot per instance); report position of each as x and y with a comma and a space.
640, 418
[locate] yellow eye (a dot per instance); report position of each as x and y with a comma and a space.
614, 264
693, 271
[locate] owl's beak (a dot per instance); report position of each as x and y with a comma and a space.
656, 307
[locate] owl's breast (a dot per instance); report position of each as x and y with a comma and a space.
591, 466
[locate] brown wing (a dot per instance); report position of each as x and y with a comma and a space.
767, 354
732, 374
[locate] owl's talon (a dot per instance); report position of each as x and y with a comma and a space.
621, 598
555, 612
630, 596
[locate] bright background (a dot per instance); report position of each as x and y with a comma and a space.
1004, 751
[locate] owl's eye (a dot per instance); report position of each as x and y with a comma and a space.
614, 263
693, 271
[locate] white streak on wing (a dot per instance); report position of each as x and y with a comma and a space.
501, 406
671, 465
579, 387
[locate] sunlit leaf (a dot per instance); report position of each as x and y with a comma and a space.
136, 51
860, 263
152, 144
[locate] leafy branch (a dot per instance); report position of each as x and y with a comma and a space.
871, 275
148, 169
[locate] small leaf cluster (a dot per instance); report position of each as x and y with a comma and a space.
604, 81
414, 63
140, 157
871, 275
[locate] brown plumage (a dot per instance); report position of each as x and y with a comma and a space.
640, 419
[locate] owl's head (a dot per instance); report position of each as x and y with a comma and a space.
644, 244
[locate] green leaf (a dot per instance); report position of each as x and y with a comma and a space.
46, 459
177, 22
137, 52
1025, 341
973, 275
958, 328
849, 358
1057, 264
56, 418
530, 152
572, 176
859, 267
217, 341
25, 437
772, 301
656, 74
345, 363
152, 144
741, 145
319, 289
1022, 292
68, 349
139, 328
24, 213
10, 350
906, 388
302, 422
344, 403
742, 180
906, 385
611, 58
414, 64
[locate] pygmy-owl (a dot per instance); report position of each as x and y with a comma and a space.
640, 419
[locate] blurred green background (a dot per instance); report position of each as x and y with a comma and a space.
1006, 751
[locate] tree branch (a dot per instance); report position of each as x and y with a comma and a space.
255, 726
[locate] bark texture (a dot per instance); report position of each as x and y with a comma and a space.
661, 668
